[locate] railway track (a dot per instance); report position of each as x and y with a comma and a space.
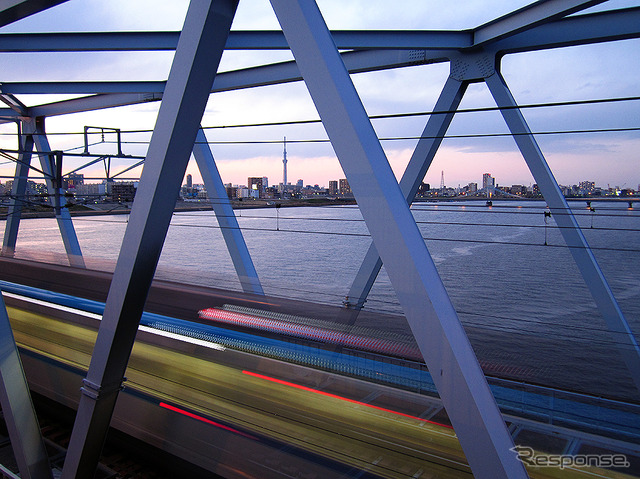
123, 457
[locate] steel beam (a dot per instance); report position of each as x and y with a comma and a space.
63, 217
227, 220
110, 94
238, 40
598, 27
575, 240
132, 89
195, 63
17, 407
427, 306
14, 10
8, 115
13, 103
576, 30
417, 168
525, 18
19, 188
91, 103
357, 62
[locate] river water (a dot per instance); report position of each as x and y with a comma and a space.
525, 306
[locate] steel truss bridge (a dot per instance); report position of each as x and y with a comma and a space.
323, 60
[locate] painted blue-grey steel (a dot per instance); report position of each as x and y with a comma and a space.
63, 217
442, 341
238, 40
585, 29
9, 115
33, 133
19, 188
195, 63
277, 73
419, 163
574, 30
15, 104
94, 102
227, 221
525, 18
15, 10
571, 232
17, 408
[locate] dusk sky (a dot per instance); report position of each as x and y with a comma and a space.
578, 73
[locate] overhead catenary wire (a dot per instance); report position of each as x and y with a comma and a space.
391, 115
516, 323
367, 235
410, 138
69, 151
415, 138
515, 327
444, 223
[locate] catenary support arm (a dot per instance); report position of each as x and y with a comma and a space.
195, 63
227, 220
427, 306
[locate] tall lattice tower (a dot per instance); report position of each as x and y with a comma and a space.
442, 181
284, 162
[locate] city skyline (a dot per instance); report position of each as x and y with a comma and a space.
475, 142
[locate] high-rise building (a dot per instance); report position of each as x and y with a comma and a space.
75, 179
345, 189
189, 181
488, 181
333, 187
587, 187
123, 191
254, 183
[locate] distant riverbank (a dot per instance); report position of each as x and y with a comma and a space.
125, 209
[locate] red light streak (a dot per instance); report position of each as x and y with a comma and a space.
305, 388
205, 420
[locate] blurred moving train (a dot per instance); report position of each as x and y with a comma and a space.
302, 401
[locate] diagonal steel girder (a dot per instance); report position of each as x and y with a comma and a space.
17, 407
63, 217
32, 132
428, 309
571, 232
195, 63
227, 220
421, 159
14, 10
